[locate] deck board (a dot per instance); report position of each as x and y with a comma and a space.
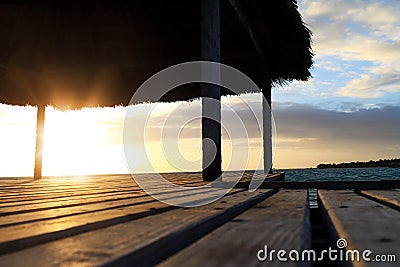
22, 235
45, 204
389, 198
64, 211
49, 196
109, 220
278, 222
364, 223
122, 241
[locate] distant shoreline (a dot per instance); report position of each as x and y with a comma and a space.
388, 163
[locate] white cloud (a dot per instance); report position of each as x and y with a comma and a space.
357, 31
371, 86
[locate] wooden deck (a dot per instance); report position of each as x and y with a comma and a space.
108, 220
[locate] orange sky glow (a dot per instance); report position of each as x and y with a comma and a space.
90, 141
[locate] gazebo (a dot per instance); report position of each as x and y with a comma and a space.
95, 53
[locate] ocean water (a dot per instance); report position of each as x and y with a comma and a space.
349, 174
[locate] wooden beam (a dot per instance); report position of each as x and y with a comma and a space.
267, 127
39, 141
211, 94
337, 185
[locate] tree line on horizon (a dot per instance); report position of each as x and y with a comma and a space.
390, 163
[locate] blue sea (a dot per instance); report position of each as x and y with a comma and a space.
349, 174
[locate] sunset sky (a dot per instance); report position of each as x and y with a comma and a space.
349, 111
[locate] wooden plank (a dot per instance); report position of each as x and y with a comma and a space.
278, 176
96, 186
15, 180
67, 211
363, 223
65, 202
45, 189
61, 194
339, 185
102, 181
55, 188
280, 222
389, 198
146, 241
17, 236
118, 180
73, 185
20, 236
32, 193
73, 182
49, 196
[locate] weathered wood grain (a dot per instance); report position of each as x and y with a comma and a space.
147, 240
389, 198
20, 236
109, 220
363, 223
67, 211
338, 185
49, 196
42, 226
278, 222
44, 204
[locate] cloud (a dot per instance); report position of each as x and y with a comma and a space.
357, 31
363, 127
333, 66
371, 86
368, 12
170, 121
308, 135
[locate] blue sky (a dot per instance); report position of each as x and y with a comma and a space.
357, 55
350, 109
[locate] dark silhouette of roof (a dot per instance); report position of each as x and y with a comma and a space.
88, 53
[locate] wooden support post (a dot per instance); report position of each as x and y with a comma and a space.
267, 132
267, 127
211, 94
39, 141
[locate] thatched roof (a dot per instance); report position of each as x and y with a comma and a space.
285, 38
80, 53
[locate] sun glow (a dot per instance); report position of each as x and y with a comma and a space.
89, 141
17, 140
86, 141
